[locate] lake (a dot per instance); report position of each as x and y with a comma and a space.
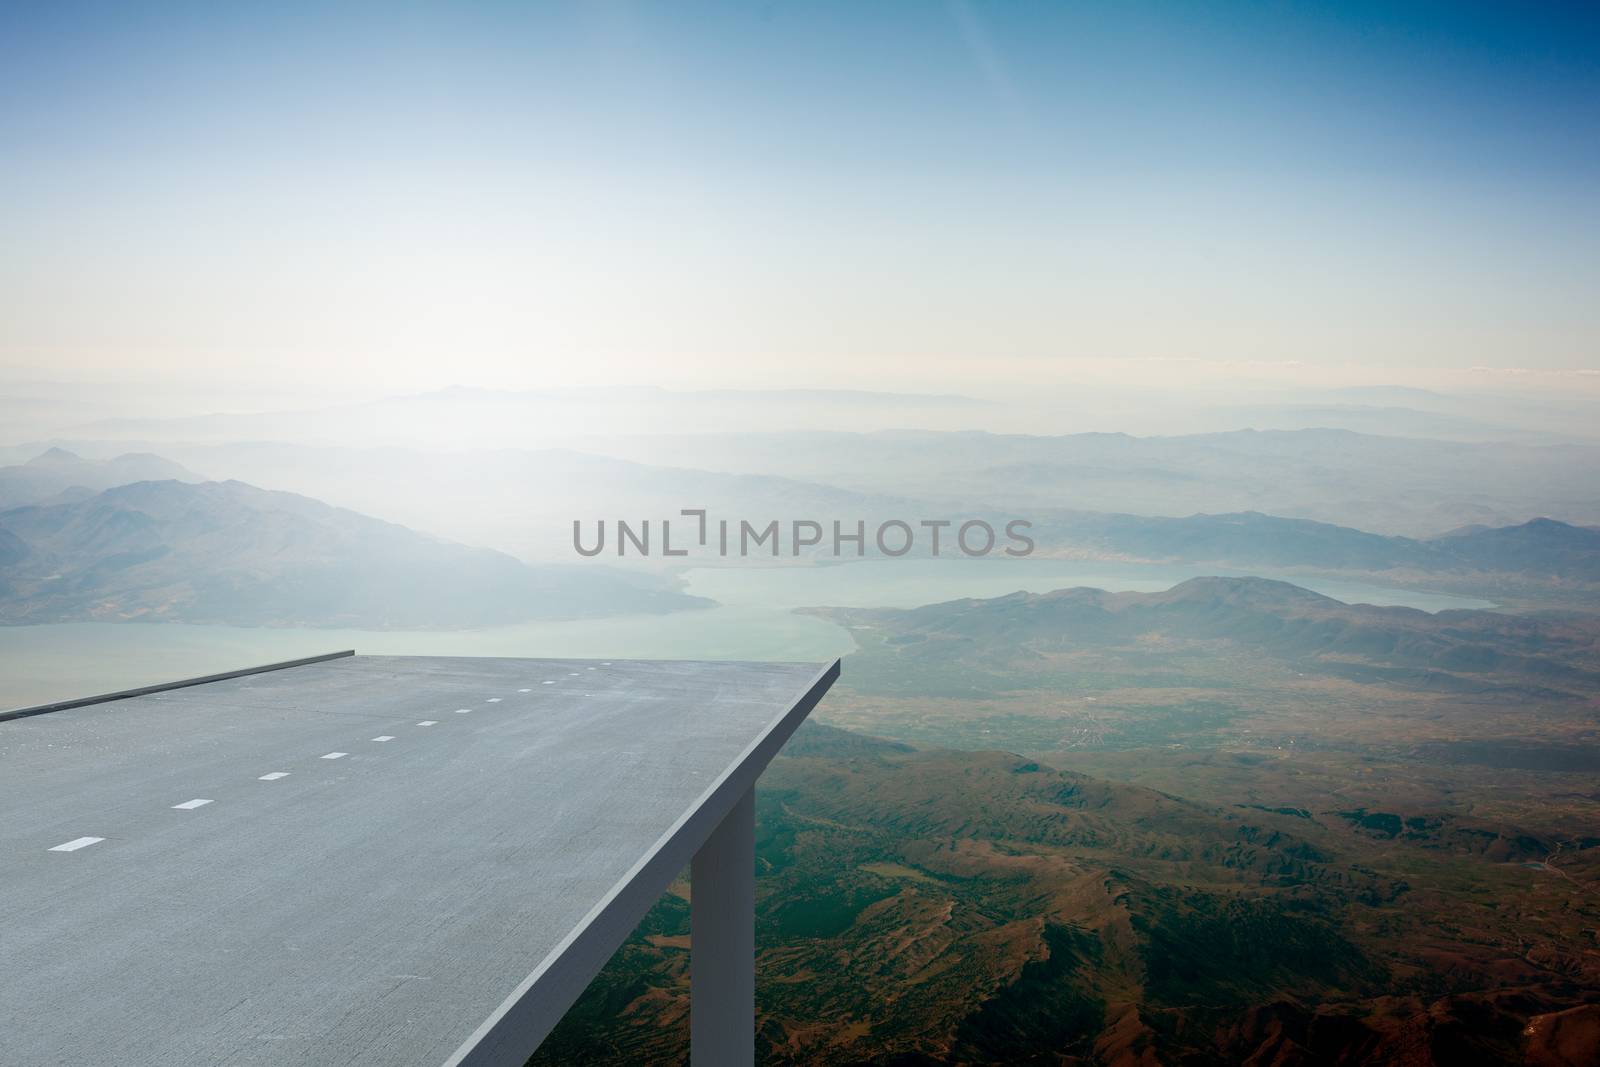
754, 620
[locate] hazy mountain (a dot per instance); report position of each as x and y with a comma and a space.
477, 417
1244, 539
459, 416
1393, 421
1541, 551
231, 553
1543, 546
1177, 490
12, 548
522, 501
1393, 485
55, 470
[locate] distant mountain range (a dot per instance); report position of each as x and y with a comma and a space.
1542, 549
227, 552
1395, 485
55, 471
523, 501
490, 417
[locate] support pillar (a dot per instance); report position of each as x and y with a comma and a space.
722, 951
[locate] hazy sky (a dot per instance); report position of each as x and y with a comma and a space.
870, 194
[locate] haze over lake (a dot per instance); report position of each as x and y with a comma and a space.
754, 620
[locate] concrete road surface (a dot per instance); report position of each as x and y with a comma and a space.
354, 862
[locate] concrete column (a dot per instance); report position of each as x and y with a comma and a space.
722, 950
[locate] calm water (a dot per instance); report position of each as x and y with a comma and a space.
754, 621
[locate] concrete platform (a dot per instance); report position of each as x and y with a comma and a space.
365, 861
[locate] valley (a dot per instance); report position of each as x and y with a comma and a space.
1229, 822
1208, 789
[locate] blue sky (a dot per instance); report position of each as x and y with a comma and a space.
797, 193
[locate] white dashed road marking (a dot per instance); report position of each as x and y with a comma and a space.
429, 722
77, 843
384, 737
547, 683
492, 700
524, 690
273, 777
336, 755
190, 805
463, 711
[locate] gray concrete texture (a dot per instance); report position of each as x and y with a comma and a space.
390, 853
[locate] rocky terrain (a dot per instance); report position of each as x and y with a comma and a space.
1234, 822
921, 907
